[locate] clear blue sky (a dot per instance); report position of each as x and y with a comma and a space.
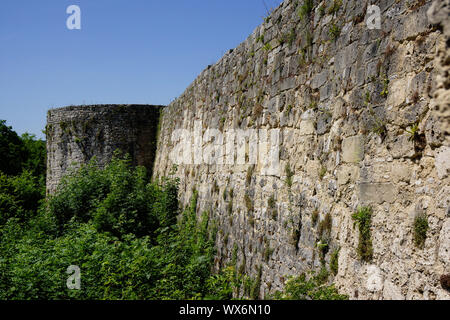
127, 51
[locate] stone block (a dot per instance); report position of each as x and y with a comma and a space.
374, 282
402, 147
444, 241
392, 292
353, 149
376, 192
397, 92
401, 172
319, 79
442, 162
307, 127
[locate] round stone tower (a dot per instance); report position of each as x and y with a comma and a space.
76, 134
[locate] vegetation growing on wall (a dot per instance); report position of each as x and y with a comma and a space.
289, 175
305, 9
334, 261
420, 230
308, 287
363, 218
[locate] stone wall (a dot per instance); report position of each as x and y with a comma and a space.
358, 126
77, 134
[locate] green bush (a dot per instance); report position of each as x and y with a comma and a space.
117, 199
12, 150
21, 153
120, 229
20, 196
222, 285
308, 287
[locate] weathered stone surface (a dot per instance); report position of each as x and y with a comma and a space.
376, 192
319, 79
77, 134
398, 91
442, 162
353, 149
444, 240
402, 147
307, 127
401, 172
347, 174
374, 281
392, 292
413, 25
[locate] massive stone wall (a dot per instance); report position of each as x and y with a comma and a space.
358, 126
77, 134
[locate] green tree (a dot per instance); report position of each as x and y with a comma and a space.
12, 150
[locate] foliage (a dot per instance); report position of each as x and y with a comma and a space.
271, 207
308, 287
248, 203
22, 174
20, 196
334, 261
420, 230
312, 105
325, 225
250, 170
289, 175
315, 216
337, 4
322, 172
363, 218
222, 285
36, 152
322, 9
334, 31
385, 80
21, 153
12, 150
120, 229
295, 236
413, 132
267, 47
256, 286
305, 9
323, 247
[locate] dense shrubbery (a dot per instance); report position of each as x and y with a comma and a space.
21, 153
120, 229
